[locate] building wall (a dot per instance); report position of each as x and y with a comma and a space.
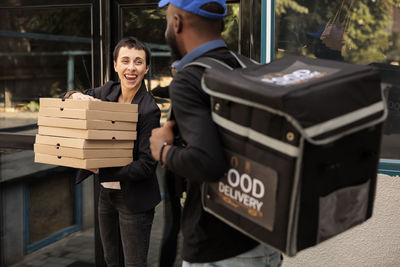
376, 242
13, 239
12, 245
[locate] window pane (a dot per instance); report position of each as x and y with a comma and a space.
360, 32
231, 32
44, 51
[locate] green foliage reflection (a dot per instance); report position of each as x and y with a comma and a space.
369, 27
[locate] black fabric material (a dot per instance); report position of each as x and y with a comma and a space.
172, 216
205, 238
349, 161
81, 264
353, 86
161, 91
285, 167
138, 179
82, 175
259, 120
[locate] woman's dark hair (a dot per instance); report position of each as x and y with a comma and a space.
132, 42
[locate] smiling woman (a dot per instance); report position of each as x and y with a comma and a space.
128, 194
131, 66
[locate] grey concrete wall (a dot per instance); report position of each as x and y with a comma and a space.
12, 168
376, 242
13, 223
13, 218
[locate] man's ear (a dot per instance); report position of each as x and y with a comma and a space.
178, 23
115, 66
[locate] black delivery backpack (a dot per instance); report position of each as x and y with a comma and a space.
302, 137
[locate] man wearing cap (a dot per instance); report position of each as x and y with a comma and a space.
193, 30
327, 42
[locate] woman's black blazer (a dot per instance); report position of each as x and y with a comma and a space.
138, 179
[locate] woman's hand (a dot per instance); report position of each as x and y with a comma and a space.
80, 96
95, 171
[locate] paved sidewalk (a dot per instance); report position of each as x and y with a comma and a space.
77, 250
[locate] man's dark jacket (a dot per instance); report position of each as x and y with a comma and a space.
201, 159
138, 179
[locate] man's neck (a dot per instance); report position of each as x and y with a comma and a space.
193, 43
198, 51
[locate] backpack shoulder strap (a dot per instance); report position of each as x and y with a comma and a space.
210, 63
244, 61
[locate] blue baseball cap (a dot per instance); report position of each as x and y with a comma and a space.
318, 34
194, 6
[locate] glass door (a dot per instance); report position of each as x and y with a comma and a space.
46, 48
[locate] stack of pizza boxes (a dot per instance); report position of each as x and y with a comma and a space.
85, 134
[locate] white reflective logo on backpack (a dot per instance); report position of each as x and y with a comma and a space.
295, 77
249, 189
282, 75
244, 189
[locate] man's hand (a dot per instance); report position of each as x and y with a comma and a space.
80, 96
159, 136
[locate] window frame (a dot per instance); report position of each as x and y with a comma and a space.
386, 166
13, 140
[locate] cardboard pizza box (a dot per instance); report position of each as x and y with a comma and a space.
86, 124
81, 163
85, 114
81, 153
87, 134
87, 104
82, 143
